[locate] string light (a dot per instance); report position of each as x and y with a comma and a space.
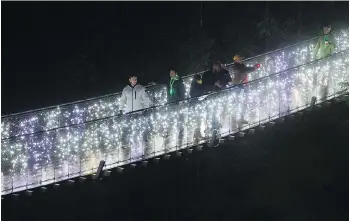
167, 127
108, 105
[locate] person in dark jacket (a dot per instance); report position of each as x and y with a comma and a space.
196, 88
240, 70
217, 78
176, 89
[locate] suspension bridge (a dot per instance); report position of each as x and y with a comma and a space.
52, 144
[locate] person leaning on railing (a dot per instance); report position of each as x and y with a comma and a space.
240, 71
196, 87
217, 78
325, 44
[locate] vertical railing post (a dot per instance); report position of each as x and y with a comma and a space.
54, 173
42, 174
80, 165
279, 96
27, 179
268, 97
12, 181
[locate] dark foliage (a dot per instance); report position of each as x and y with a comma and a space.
55, 52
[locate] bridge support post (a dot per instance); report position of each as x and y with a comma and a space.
156, 160
327, 103
241, 134
271, 123
144, 163
312, 103
82, 179
70, 182
280, 120
251, 131
178, 153
15, 196
29, 192
261, 127
43, 189
106, 173
119, 169
290, 117
199, 147
336, 100
299, 114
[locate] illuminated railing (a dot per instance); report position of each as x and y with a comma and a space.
106, 106
62, 153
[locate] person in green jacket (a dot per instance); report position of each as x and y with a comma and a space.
326, 43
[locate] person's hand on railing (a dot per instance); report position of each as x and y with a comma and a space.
257, 66
218, 84
202, 97
152, 83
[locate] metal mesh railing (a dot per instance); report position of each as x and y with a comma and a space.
62, 153
106, 106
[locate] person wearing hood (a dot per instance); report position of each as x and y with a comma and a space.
325, 44
134, 97
176, 89
196, 88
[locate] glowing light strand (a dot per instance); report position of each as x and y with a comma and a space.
108, 105
76, 150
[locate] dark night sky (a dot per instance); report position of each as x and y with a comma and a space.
43, 45
63, 51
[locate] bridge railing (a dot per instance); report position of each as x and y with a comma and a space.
88, 110
62, 153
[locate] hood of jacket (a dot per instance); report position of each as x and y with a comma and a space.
134, 98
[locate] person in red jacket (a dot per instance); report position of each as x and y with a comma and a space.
240, 71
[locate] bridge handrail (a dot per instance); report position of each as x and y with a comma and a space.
82, 132
183, 101
147, 86
72, 103
42, 124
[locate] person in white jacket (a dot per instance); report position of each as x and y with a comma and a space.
133, 97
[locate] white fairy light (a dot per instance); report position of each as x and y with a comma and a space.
108, 105
268, 97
